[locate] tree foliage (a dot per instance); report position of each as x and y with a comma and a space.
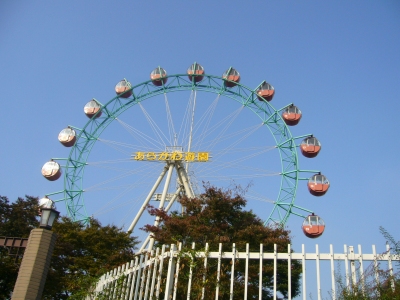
82, 252
218, 216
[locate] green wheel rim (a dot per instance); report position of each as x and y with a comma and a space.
74, 167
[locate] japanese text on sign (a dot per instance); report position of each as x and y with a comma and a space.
185, 156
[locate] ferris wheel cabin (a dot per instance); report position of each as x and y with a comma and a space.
67, 137
92, 109
291, 115
123, 89
310, 147
158, 76
313, 226
195, 72
51, 170
318, 185
265, 91
231, 77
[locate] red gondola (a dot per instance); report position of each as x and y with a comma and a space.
51, 170
265, 91
318, 185
124, 88
92, 108
313, 226
158, 76
231, 77
196, 71
67, 137
310, 147
291, 115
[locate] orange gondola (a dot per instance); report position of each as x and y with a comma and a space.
158, 76
231, 77
196, 72
291, 115
124, 88
318, 185
265, 91
92, 108
67, 137
313, 226
310, 147
51, 170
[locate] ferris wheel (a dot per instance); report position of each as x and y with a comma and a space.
168, 136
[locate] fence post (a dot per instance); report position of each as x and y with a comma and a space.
170, 274
376, 270
346, 266
177, 273
205, 272
246, 275
318, 272
153, 280
362, 279
190, 272
260, 273
138, 278
218, 270
333, 279
352, 267
275, 269
289, 272
133, 280
390, 267
232, 271
303, 265
159, 276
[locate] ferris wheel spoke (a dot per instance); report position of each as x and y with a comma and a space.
156, 129
120, 147
205, 120
218, 166
184, 127
138, 183
141, 137
250, 131
118, 177
224, 124
171, 127
259, 198
246, 150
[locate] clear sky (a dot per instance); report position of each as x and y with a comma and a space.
337, 60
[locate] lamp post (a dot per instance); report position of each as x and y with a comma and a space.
36, 260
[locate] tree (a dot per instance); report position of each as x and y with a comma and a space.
82, 252
214, 217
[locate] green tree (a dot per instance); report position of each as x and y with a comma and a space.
214, 217
82, 252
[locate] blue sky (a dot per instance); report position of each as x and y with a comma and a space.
337, 60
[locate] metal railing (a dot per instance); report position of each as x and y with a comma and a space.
156, 275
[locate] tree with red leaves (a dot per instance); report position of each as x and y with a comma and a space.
218, 216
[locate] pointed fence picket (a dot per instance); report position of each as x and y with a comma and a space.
147, 277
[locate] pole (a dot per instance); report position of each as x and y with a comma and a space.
35, 265
183, 177
140, 212
163, 196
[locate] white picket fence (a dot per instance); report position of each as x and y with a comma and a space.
156, 274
